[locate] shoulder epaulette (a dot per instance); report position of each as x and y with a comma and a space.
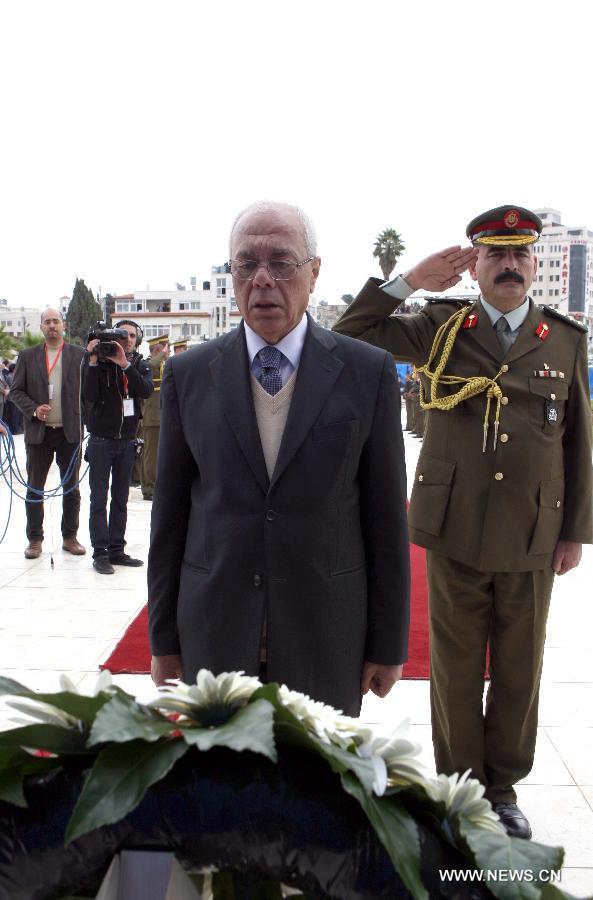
455, 301
568, 320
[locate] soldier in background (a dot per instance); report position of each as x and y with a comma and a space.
151, 414
406, 395
179, 346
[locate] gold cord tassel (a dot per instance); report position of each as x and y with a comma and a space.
469, 387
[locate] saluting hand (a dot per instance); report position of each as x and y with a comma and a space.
441, 270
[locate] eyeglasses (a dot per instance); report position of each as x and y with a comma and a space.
278, 269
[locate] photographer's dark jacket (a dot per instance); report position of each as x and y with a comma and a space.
104, 388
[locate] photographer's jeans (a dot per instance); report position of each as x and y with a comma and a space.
109, 457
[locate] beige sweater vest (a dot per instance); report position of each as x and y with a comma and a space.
271, 413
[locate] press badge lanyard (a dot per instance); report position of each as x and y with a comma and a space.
50, 387
128, 401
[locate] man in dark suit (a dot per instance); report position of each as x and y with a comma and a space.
279, 540
46, 388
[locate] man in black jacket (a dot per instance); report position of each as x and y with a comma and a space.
111, 389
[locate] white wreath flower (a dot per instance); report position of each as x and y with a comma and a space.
464, 796
229, 689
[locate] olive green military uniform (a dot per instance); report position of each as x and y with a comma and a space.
151, 426
490, 520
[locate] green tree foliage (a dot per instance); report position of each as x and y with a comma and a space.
83, 312
7, 343
109, 302
388, 248
29, 340
347, 298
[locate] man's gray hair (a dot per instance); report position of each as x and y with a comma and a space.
263, 206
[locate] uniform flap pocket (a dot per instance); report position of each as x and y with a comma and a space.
551, 493
431, 470
545, 387
334, 430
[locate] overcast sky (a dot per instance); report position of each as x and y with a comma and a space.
132, 132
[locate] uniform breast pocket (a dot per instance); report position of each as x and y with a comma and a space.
547, 402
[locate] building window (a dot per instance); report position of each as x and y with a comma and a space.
152, 331
220, 287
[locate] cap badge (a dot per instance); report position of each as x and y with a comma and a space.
542, 331
511, 218
470, 321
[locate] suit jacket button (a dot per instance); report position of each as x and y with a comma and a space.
257, 581
271, 515
499, 476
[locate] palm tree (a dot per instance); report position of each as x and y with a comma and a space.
388, 248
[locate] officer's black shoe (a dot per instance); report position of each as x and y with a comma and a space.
122, 559
512, 820
102, 565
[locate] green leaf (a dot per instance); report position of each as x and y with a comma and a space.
78, 705
116, 784
123, 719
552, 892
11, 786
20, 765
396, 830
510, 858
251, 728
45, 737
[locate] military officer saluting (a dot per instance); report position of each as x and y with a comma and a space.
151, 413
502, 493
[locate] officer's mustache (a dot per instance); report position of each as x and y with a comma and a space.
509, 276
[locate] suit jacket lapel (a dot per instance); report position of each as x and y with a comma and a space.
230, 374
318, 371
42, 367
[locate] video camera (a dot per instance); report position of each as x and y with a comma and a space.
108, 338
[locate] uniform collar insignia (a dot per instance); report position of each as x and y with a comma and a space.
470, 321
542, 331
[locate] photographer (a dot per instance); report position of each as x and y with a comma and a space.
115, 377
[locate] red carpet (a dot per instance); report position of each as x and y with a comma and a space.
132, 655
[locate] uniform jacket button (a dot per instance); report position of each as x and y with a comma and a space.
257, 581
504, 400
504, 368
504, 438
499, 476
271, 515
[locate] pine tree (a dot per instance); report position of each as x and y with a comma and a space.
83, 313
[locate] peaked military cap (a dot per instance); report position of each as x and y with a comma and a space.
179, 345
504, 226
161, 339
